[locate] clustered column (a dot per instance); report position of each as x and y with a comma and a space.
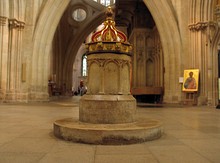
3, 56
11, 57
201, 40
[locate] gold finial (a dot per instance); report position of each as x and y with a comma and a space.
109, 13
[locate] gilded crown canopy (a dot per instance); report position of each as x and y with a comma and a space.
109, 32
109, 38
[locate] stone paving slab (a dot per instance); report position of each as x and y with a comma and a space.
191, 134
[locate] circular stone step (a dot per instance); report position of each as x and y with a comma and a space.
127, 133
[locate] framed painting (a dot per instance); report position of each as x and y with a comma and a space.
191, 80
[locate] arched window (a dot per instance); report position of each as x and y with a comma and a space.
84, 65
105, 2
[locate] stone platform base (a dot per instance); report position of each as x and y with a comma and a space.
127, 133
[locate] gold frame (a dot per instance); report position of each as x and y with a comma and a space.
191, 80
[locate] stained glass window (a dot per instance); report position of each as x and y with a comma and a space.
84, 65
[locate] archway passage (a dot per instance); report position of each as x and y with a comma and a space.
65, 45
189, 39
143, 33
140, 27
60, 49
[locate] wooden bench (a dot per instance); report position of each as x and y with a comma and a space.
148, 94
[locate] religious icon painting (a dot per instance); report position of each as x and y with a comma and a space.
191, 80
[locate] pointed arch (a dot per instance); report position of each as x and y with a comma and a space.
171, 43
42, 41
76, 42
215, 47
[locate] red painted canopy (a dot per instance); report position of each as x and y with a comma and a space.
109, 33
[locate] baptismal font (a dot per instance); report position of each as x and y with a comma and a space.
107, 112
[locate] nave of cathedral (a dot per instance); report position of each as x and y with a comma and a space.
174, 77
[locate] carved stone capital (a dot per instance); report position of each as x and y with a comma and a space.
200, 26
2, 20
14, 23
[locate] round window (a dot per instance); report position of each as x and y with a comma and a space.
79, 15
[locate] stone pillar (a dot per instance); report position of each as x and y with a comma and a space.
200, 41
3, 56
14, 60
202, 29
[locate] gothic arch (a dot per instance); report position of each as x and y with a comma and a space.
42, 41
77, 41
171, 42
214, 51
43, 36
49, 20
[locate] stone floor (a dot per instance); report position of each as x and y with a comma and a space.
191, 135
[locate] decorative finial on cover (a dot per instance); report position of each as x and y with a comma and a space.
109, 32
109, 13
